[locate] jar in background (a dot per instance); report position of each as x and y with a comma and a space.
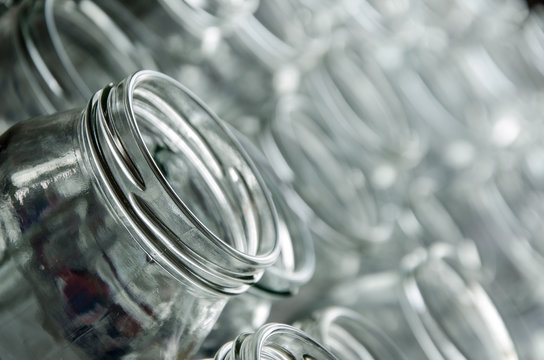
273, 342
349, 336
356, 93
57, 53
125, 227
330, 192
435, 308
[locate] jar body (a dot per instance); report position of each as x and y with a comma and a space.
75, 282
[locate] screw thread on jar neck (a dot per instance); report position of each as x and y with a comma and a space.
181, 183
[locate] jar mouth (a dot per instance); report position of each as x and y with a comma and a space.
346, 334
306, 156
450, 313
191, 195
75, 47
275, 342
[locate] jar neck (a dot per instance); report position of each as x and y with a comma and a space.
181, 184
274, 341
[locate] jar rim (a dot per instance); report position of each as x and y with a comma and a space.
117, 137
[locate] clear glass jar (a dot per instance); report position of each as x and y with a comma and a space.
126, 226
273, 342
281, 281
349, 336
347, 214
271, 49
57, 53
356, 93
435, 308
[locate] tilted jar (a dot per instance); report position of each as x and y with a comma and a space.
125, 227
349, 336
57, 53
274, 342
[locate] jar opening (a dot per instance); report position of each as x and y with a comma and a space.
193, 198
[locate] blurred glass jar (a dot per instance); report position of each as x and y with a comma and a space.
505, 214
434, 308
294, 268
57, 53
191, 29
349, 336
343, 209
125, 227
272, 48
354, 91
465, 20
273, 342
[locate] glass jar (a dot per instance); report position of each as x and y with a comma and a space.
57, 53
355, 92
347, 214
434, 308
281, 281
125, 227
274, 342
349, 336
272, 49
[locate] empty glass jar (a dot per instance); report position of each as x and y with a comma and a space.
349, 336
273, 342
125, 227
434, 308
57, 53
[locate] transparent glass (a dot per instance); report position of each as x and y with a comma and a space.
349, 336
57, 53
273, 342
435, 308
126, 226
